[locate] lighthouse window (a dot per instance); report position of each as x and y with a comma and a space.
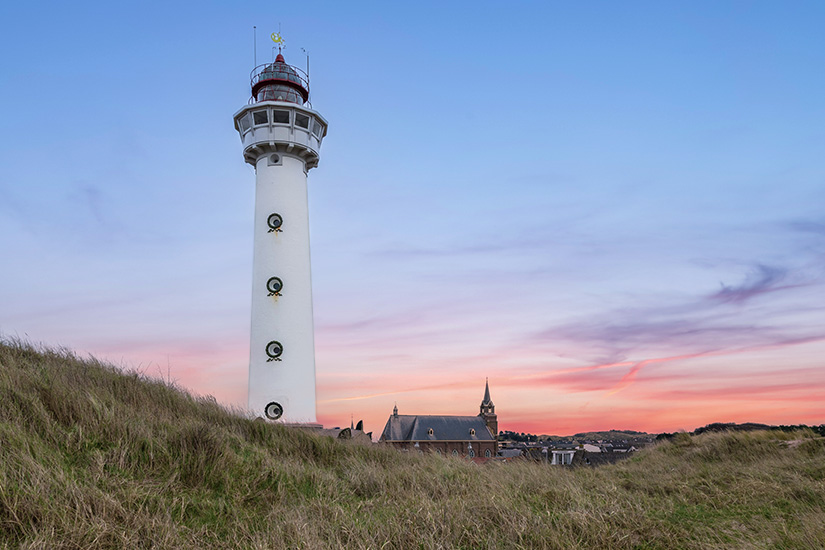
274, 349
301, 120
244, 122
317, 129
274, 411
274, 285
280, 117
274, 221
259, 117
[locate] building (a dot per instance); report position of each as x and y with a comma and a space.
562, 457
460, 436
281, 137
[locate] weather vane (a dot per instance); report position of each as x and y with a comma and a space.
278, 39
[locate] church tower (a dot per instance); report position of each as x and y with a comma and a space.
488, 411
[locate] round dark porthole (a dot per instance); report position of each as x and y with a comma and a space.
274, 349
274, 285
274, 411
274, 221
274, 159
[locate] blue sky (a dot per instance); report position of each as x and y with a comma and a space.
614, 211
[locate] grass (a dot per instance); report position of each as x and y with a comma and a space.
92, 457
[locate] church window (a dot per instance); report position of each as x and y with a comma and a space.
429, 431
487, 453
455, 452
472, 453
438, 452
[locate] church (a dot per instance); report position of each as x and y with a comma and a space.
473, 437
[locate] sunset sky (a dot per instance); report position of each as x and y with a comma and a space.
613, 211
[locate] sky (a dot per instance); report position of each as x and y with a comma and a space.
613, 211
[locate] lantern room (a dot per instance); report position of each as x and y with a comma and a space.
279, 81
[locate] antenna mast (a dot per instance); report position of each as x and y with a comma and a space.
309, 98
254, 46
307, 54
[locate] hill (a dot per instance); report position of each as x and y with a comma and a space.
609, 435
91, 457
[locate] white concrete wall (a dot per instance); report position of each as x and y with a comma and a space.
286, 318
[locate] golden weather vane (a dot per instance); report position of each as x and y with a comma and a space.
278, 39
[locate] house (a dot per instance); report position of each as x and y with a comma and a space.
510, 453
459, 436
563, 457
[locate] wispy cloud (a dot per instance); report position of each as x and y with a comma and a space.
711, 321
808, 226
762, 280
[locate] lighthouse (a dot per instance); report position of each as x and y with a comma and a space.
281, 136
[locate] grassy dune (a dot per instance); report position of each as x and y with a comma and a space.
91, 457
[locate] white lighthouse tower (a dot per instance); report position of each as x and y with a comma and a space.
281, 137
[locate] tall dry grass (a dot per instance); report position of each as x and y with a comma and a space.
92, 457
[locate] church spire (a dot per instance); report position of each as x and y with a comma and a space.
487, 392
488, 411
487, 406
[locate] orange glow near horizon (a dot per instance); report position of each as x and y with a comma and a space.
654, 394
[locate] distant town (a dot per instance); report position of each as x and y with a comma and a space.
591, 448
477, 438
581, 449
595, 448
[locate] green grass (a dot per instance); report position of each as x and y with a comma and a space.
92, 457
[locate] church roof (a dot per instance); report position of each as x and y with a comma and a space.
407, 427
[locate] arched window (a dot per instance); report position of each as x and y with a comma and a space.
487, 453
429, 431
455, 452
472, 431
472, 453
